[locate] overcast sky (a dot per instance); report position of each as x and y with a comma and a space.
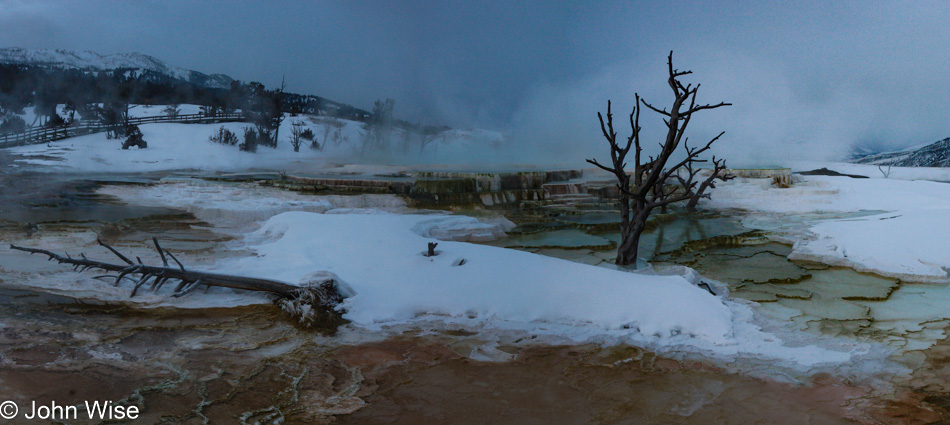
806, 78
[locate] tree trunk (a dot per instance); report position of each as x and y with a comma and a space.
693, 201
629, 247
630, 232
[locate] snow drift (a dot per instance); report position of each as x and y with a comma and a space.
904, 232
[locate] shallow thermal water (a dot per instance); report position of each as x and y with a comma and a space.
249, 364
909, 318
831, 301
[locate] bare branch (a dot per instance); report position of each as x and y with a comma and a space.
704, 107
122, 257
159, 249
655, 109
186, 276
176, 261
594, 161
691, 155
668, 201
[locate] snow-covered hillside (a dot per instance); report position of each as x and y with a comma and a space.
936, 154
92, 61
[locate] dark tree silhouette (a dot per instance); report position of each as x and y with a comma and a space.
378, 129
262, 108
296, 135
134, 138
224, 137
719, 172
647, 190
250, 140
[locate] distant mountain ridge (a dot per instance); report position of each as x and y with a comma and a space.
936, 154
91, 61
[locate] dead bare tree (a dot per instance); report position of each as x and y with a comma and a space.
331, 127
296, 132
718, 173
640, 197
886, 173
322, 297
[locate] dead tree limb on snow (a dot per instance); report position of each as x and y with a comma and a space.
639, 197
320, 299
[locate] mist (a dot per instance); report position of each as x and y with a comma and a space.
807, 80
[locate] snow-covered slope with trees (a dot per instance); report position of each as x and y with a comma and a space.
91, 61
936, 154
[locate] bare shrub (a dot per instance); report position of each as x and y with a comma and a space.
224, 137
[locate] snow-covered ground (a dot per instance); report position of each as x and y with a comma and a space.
159, 110
186, 146
135, 111
374, 244
170, 147
379, 258
903, 233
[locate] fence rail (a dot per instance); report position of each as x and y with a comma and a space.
77, 128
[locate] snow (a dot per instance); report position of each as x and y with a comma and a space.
872, 171
379, 257
830, 194
903, 233
909, 245
136, 111
170, 147
462, 228
378, 254
82, 59
186, 146
92, 61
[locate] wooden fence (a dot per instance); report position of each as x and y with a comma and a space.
77, 128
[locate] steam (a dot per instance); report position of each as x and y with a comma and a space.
776, 116
807, 80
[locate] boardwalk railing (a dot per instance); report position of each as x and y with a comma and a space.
77, 128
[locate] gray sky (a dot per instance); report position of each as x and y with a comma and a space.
807, 78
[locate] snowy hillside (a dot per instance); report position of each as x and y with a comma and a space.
936, 154
91, 61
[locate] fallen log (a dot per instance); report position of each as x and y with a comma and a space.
321, 297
